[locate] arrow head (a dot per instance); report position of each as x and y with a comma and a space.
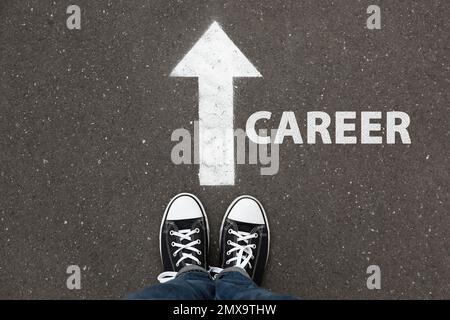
215, 54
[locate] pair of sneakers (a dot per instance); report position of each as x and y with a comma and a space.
184, 237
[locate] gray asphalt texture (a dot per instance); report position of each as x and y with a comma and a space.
86, 118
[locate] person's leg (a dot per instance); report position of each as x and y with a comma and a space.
235, 284
183, 243
191, 283
244, 250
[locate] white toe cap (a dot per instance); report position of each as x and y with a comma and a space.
184, 206
247, 210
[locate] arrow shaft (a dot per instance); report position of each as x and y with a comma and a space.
216, 135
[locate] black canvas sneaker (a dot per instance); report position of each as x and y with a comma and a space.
184, 235
244, 237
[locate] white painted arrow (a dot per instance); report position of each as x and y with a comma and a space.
215, 61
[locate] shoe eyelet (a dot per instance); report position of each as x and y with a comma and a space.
199, 252
227, 262
228, 242
197, 230
254, 246
199, 241
172, 244
229, 231
177, 264
174, 254
255, 235
228, 253
171, 232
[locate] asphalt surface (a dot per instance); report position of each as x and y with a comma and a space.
86, 118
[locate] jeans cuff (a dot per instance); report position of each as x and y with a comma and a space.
234, 269
189, 268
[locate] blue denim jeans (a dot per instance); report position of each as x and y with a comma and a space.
194, 283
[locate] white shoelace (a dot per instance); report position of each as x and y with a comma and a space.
244, 252
183, 235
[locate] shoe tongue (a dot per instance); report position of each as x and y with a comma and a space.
185, 223
182, 225
243, 226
